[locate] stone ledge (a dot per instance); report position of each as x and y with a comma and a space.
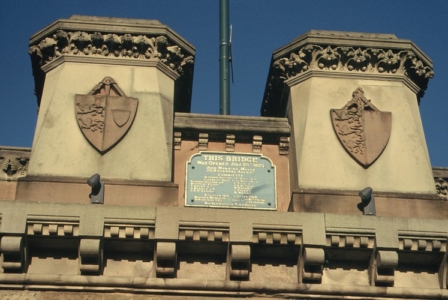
218, 126
209, 288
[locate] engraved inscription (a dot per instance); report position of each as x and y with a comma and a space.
230, 180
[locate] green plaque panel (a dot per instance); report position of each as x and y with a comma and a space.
231, 180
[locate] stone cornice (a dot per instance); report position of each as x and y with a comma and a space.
207, 235
224, 128
111, 61
343, 52
113, 38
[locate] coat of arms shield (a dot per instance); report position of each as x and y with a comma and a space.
105, 115
362, 129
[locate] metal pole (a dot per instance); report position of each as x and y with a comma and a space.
224, 61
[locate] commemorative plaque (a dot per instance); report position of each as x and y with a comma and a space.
230, 180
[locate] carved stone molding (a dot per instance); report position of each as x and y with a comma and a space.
346, 240
441, 187
203, 142
14, 253
230, 143
278, 237
238, 262
422, 244
311, 263
257, 143
93, 41
133, 46
382, 267
128, 231
316, 52
203, 233
52, 228
283, 146
177, 140
14, 163
90, 256
14, 167
165, 258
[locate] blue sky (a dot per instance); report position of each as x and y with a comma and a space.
259, 27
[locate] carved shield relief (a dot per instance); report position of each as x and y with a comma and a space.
105, 115
362, 129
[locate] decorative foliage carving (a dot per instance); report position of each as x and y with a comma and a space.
14, 167
342, 59
111, 45
81, 43
353, 59
441, 187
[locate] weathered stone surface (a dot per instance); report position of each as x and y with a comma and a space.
102, 37
14, 163
71, 296
319, 161
344, 54
21, 295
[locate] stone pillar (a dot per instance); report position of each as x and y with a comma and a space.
352, 101
107, 90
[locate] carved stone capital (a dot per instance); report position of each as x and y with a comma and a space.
113, 38
344, 53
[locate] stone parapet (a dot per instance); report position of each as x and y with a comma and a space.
344, 54
98, 39
107, 106
219, 252
217, 126
352, 102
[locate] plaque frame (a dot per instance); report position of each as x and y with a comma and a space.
254, 162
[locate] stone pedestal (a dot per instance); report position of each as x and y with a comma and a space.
107, 91
322, 71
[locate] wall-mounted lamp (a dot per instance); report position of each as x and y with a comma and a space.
97, 194
367, 202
